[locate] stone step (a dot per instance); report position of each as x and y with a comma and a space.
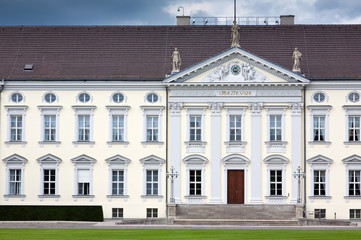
236, 211
236, 222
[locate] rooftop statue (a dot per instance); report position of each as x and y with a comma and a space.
235, 35
176, 60
297, 56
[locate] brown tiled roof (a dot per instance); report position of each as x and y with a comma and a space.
143, 52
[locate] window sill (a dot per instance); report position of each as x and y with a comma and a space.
48, 196
76, 143
352, 143
124, 197
319, 143
235, 146
195, 146
195, 199
57, 143
319, 197
276, 146
276, 199
90, 197
110, 143
152, 143
353, 197
145, 197
7, 143
21, 196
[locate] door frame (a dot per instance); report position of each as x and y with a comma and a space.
235, 162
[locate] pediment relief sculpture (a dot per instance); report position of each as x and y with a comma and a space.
235, 72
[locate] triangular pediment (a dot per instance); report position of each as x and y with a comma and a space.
48, 158
319, 159
152, 159
236, 66
352, 159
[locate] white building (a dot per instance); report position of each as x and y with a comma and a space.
93, 116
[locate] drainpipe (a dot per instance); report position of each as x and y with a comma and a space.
304, 152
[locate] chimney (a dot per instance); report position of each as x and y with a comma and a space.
183, 20
287, 19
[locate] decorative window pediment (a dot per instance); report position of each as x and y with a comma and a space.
320, 159
83, 159
352, 159
152, 159
48, 158
195, 159
276, 159
117, 159
236, 159
15, 158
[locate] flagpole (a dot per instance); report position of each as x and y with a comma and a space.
235, 15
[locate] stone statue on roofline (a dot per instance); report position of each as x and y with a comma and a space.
235, 35
176, 61
297, 56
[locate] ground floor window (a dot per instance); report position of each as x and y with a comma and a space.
195, 182
152, 212
117, 212
355, 213
276, 183
320, 213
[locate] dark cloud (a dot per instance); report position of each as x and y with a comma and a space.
83, 12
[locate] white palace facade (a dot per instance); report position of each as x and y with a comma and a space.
237, 126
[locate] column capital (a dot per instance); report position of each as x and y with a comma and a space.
216, 108
175, 108
256, 108
296, 108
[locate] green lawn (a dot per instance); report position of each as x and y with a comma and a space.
181, 234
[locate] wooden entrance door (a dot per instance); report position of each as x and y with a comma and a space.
235, 188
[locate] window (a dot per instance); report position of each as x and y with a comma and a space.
320, 213
118, 128
152, 182
276, 183
319, 183
319, 97
320, 177
15, 165
117, 182
83, 182
83, 124
118, 97
195, 177
17, 97
355, 213
117, 212
195, 128
152, 169
275, 128
15, 182
152, 97
117, 177
84, 97
16, 128
50, 127
49, 176
354, 97
152, 212
195, 182
152, 124
152, 128
319, 128
354, 128
83, 177
49, 97
354, 183
235, 128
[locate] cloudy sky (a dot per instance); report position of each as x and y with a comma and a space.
163, 12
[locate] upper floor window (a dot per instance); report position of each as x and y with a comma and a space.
118, 97
353, 97
319, 122
152, 124
17, 97
84, 97
152, 128
319, 97
152, 97
50, 97
16, 124
235, 128
275, 128
195, 128
16, 128
84, 124
354, 128
84, 128
319, 132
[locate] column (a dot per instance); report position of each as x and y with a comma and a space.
296, 146
256, 153
175, 147
216, 109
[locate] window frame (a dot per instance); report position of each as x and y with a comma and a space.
49, 111
152, 162
352, 163
354, 129
319, 163
15, 162
17, 94
118, 93
118, 212
355, 213
152, 212
16, 111
152, 111
321, 213
83, 162
195, 146
118, 163
235, 146
50, 93
276, 162
49, 162
152, 93
353, 93
351, 111
319, 92
276, 146
78, 97
84, 111
118, 111
319, 111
